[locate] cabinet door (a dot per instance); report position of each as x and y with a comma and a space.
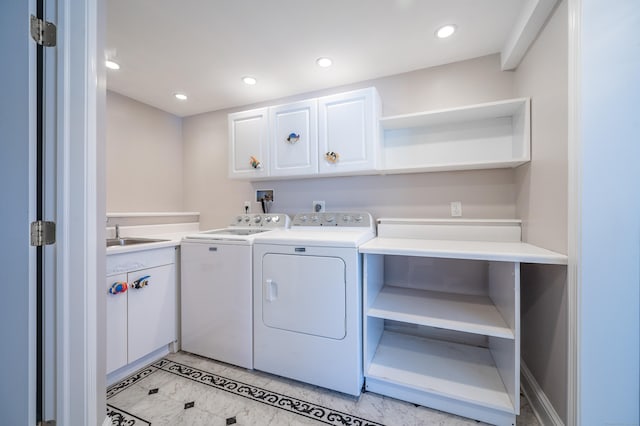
248, 150
294, 139
116, 325
151, 311
348, 127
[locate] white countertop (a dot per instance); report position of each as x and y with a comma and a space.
473, 250
172, 234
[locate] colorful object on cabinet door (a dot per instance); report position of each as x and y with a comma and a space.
255, 163
293, 138
141, 282
332, 157
118, 287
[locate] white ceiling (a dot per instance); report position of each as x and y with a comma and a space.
204, 47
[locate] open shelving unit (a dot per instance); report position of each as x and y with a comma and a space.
442, 314
483, 136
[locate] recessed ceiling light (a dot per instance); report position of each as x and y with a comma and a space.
112, 65
180, 96
324, 62
249, 80
446, 31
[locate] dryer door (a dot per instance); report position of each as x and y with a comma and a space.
304, 294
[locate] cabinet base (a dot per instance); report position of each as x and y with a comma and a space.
438, 402
128, 369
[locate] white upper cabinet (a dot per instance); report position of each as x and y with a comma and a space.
248, 151
293, 139
348, 133
336, 134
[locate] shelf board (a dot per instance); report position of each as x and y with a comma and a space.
451, 370
460, 312
454, 115
471, 250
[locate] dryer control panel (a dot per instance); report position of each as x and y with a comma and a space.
350, 219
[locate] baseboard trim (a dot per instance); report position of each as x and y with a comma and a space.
540, 404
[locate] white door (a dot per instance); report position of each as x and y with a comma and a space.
294, 139
151, 311
348, 134
248, 139
304, 294
17, 176
116, 325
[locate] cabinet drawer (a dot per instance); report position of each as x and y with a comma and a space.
125, 262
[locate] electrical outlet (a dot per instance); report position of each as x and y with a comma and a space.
266, 194
247, 206
318, 206
456, 209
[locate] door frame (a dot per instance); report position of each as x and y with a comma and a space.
80, 213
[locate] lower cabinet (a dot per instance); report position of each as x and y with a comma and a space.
142, 318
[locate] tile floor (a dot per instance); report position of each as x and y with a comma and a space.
185, 389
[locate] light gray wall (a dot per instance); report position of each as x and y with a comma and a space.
143, 157
17, 310
609, 214
484, 194
541, 203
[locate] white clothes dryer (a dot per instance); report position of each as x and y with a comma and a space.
216, 289
308, 300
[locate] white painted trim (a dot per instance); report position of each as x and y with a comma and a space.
153, 214
574, 219
524, 32
540, 404
80, 215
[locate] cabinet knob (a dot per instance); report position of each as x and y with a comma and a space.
141, 282
332, 157
293, 137
118, 287
255, 163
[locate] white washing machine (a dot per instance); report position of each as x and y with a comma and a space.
308, 300
216, 289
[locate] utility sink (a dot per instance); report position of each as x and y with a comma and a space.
129, 241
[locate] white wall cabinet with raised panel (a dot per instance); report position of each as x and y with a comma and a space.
140, 320
248, 144
331, 135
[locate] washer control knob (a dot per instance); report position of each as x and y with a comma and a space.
268, 219
303, 218
276, 219
330, 218
359, 218
315, 218
238, 219
346, 218
247, 219
257, 219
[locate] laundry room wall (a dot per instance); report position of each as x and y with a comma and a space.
484, 194
143, 157
541, 203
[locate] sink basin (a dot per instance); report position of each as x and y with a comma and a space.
111, 242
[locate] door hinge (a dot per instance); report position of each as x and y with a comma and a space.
43, 32
43, 233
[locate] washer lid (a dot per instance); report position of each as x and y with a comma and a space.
234, 234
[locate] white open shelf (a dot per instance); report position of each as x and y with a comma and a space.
465, 373
460, 312
489, 135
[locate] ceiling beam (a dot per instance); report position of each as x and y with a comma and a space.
531, 20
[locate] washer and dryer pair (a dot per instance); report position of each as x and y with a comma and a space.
307, 301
